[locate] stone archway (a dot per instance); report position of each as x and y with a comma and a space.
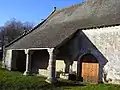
89, 68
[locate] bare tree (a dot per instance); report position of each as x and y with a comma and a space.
12, 29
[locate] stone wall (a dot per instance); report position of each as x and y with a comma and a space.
7, 59
77, 47
106, 43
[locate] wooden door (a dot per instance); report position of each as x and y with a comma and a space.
90, 72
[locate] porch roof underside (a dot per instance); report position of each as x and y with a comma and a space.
65, 22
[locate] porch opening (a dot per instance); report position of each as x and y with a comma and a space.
89, 68
40, 60
18, 60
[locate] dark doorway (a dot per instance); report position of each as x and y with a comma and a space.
1, 54
19, 60
40, 60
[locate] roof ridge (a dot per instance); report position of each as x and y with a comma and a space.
28, 32
74, 5
69, 7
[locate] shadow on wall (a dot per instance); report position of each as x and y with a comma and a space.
69, 50
64, 54
40, 60
87, 47
1, 55
80, 44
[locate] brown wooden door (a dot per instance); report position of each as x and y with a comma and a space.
90, 72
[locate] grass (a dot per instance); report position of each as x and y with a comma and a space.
16, 81
10, 80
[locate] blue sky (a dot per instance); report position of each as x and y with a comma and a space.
30, 10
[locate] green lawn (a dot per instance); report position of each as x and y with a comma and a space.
16, 81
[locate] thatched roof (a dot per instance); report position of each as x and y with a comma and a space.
65, 22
